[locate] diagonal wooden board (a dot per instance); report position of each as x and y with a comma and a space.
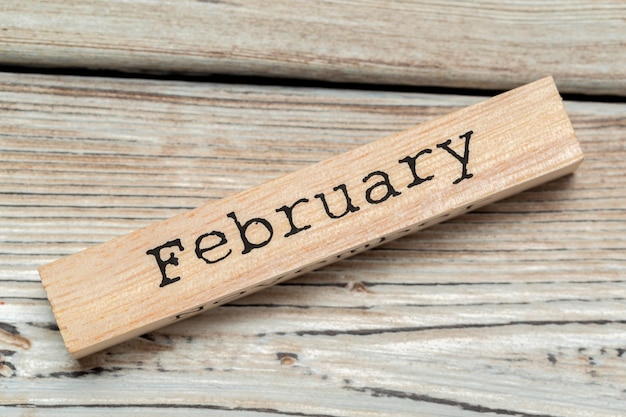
273, 232
479, 44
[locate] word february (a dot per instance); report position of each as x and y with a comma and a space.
213, 247
228, 248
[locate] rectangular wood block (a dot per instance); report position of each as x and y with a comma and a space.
275, 231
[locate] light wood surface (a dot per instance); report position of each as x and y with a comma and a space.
515, 309
479, 44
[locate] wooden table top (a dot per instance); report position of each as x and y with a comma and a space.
518, 308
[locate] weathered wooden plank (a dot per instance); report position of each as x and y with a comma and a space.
482, 44
516, 308
224, 362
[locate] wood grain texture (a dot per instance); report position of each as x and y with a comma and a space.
482, 44
515, 309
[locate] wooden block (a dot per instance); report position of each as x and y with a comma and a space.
238, 245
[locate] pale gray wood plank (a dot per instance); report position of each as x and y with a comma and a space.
480, 44
516, 309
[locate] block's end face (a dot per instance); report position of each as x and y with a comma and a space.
48, 279
83, 333
212, 255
